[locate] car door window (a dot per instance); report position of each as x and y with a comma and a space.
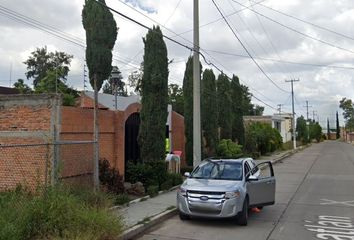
265, 170
247, 169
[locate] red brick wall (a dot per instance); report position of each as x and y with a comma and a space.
77, 125
25, 120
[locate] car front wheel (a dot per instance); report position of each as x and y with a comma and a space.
243, 216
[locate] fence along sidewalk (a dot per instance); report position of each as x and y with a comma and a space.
42, 164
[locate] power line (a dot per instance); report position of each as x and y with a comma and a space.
173, 12
281, 61
307, 22
218, 19
295, 30
249, 54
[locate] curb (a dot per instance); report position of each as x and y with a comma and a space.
142, 199
134, 231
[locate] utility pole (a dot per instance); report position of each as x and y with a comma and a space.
313, 114
294, 121
307, 110
196, 88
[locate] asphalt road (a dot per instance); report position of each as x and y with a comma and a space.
314, 200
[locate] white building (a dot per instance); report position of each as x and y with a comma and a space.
283, 123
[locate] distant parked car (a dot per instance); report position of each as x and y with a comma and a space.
223, 188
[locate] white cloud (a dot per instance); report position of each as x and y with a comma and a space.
322, 87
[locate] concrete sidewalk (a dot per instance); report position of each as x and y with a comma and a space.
143, 213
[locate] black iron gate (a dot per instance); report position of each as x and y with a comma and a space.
132, 151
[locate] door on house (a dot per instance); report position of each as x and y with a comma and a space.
132, 151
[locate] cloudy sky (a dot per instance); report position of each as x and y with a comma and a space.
312, 41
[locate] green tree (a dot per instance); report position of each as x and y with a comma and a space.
228, 148
115, 82
238, 130
315, 131
209, 117
302, 130
50, 84
258, 110
135, 77
41, 61
101, 34
261, 138
175, 98
247, 106
154, 85
22, 87
188, 110
224, 106
348, 112
337, 126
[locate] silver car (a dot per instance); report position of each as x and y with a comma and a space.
223, 188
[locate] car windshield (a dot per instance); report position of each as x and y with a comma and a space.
223, 170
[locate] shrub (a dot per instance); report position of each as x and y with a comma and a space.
150, 173
57, 214
227, 148
167, 185
175, 178
110, 178
262, 138
122, 199
153, 190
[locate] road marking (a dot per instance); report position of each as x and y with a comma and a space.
333, 202
332, 227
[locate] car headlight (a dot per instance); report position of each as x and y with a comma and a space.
235, 194
182, 191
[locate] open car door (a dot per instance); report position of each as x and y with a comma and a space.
261, 185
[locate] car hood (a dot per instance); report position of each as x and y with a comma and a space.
212, 185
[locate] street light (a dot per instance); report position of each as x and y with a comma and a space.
115, 75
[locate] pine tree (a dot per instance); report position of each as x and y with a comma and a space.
337, 125
101, 34
209, 117
154, 84
224, 106
238, 130
188, 110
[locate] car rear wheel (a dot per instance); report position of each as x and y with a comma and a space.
183, 216
243, 216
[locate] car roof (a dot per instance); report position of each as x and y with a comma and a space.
215, 159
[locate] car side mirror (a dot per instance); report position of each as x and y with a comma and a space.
187, 174
252, 178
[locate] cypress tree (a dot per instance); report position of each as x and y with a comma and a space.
238, 130
328, 129
153, 115
337, 125
224, 106
101, 34
188, 110
209, 117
